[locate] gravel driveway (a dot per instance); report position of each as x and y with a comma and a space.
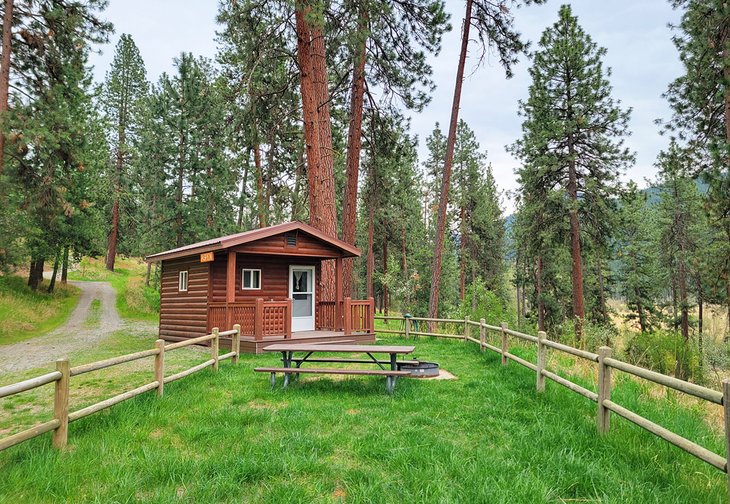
74, 335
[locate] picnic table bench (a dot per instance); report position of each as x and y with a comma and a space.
287, 351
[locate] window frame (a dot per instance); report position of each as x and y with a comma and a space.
182, 274
243, 278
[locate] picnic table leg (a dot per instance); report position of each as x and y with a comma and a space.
273, 380
393, 367
287, 364
389, 383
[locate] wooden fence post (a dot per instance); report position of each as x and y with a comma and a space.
603, 419
466, 328
726, 408
258, 320
60, 404
407, 324
504, 344
236, 341
541, 358
214, 346
287, 319
482, 335
160, 367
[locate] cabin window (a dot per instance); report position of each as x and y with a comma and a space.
182, 284
251, 279
291, 239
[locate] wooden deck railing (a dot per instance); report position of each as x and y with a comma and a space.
327, 316
257, 318
358, 315
602, 396
61, 378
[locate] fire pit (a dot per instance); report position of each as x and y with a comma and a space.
422, 369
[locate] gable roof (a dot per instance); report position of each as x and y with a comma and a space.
233, 240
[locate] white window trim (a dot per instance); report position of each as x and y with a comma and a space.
251, 270
180, 281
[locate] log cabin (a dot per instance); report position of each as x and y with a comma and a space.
267, 280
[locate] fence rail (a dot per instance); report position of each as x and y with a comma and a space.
62, 376
602, 397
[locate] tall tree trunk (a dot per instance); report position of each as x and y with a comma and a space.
260, 196
640, 310
385, 272
577, 263
462, 255
64, 266
403, 249
5, 75
519, 307
371, 259
601, 291
52, 283
309, 108
147, 275
325, 219
35, 276
433, 301
540, 300
354, 144
111, 252
178, 201
243, 195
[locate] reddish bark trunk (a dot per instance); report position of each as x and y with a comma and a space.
309, 107
354, 143
260, 200
111, 252
5, 75
577, 263
540, 301
385, 272
462, 257
433, 302
371, 258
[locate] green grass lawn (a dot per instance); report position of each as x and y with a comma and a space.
25, 313
483, 437
134, 300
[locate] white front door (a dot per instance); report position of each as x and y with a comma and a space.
301, 292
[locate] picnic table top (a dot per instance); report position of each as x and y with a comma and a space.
390, 349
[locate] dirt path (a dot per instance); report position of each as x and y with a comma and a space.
76, 334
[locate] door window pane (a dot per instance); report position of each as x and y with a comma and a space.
302, 281
301, 305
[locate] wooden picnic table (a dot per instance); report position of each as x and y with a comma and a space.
288, 350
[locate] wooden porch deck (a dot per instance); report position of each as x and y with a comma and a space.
250, 345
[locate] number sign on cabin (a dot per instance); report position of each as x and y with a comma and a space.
207, 257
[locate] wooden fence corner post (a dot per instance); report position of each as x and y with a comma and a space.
236, 342
214, 346
504, 344
726, 409
348, 316
258, 320
466, 328
482, 335
60, 404
160, 367
541, 358
603, 420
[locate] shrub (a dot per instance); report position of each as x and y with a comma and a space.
665, 352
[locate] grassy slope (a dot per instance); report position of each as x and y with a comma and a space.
134, 300
485, 437
25, 314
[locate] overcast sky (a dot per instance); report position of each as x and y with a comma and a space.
635, 33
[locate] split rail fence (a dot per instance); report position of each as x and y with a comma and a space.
602, 397
61, 379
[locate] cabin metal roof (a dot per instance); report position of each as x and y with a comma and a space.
225, 242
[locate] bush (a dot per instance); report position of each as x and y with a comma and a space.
479, 302
665, 352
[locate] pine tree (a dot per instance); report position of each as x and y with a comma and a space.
493, 23
122, 95
573, 131
637, 246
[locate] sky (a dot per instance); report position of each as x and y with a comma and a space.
635, 34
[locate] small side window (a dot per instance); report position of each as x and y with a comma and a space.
182, 284
251, 279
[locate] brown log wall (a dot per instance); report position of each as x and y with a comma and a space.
184, 314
